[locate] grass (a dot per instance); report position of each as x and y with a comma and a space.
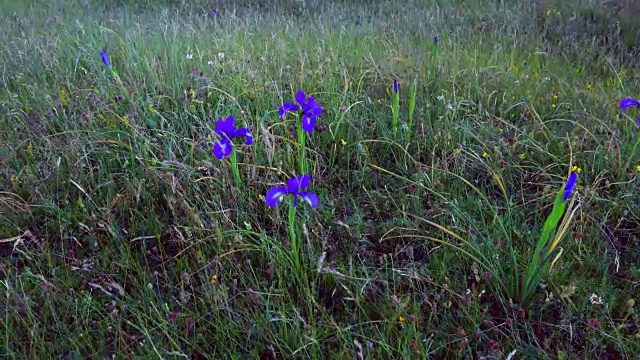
123, 236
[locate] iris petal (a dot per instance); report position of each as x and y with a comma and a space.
297, 183
287, 107
274, 195
105, 57
226, 128
310, 198
222, 149
245, 132
308, 123
568, 188
301, 98
629, 102
313, 108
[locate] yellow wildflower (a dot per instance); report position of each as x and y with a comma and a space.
401, 318
457, 151
484, 154
553, 105
14, 179
523, 156
343, 142
555, 96
638, 168
576, 169
29, 149
214, 279
588, 87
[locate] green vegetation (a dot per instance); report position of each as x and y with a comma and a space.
122, 235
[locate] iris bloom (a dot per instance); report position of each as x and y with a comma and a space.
275, 194
310, 109
628, 102
395, 86
105, 57
568, 188
227, 131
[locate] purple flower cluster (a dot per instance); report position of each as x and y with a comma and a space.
227, 131
310, 110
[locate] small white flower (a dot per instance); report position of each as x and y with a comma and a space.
441, 97
220, 55
210, 63
189, 56
595, 299
449, 106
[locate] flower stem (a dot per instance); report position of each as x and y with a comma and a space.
292, 234
301, 149
396, 112
234, 167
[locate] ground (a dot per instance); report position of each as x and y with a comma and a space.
123, 236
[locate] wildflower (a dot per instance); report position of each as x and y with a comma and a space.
220, 55
13, 179
568, 188
227, 130
638, 168
523, 156
214, 11
484, 154
189, 56
576, 169
594, 323
595, 299
628, 102
275, 194
310, 109
105, 57
588, 87
210, 63
395, 86
436, 39
554, 106
401, 319
214, 279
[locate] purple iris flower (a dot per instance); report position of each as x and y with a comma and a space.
310, 109
227, 131
568, 188
628, 102
395, 86
436, 39
275, 194
105, 57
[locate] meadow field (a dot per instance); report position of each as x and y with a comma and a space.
402, 179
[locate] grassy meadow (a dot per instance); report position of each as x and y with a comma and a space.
123, 236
